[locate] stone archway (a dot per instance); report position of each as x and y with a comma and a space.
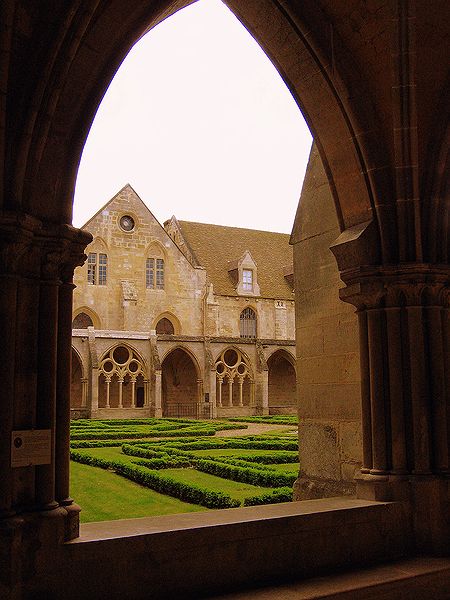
180, 385
122, 374
282, 384
78, 383
372, 109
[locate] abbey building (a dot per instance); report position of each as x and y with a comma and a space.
185, 319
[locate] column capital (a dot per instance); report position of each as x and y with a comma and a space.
402, 285
33, 249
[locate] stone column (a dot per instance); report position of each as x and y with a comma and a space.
404, 341
212, 393
158, 398
84, 392
72, 256
36, 266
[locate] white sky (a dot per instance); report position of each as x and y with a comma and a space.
198, 121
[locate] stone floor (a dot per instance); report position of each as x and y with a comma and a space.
412, 579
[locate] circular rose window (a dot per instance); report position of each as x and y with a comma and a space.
127, 223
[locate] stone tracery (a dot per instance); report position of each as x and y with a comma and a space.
233, 367
123, 364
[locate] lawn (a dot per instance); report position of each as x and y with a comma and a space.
117, 485
104, 496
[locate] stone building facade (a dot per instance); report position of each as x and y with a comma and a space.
185, 319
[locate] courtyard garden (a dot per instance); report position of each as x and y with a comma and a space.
146, 467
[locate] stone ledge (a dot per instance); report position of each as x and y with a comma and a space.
196, 554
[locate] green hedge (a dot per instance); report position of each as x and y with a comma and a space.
258, 477
270, 459
160, 483
282, 494
163, 462
100, 435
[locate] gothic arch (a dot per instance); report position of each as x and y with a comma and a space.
181, 384
234, 371
78, 381
170, 317
90, 313
356, 164
155, 246
282, 383
122, 373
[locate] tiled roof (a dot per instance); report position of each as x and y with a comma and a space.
216, 247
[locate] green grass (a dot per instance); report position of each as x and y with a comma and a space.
104, 496
286, 467
235, 489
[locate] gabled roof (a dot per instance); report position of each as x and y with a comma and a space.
217, 247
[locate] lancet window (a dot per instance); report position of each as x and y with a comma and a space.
97, 266
247, 324
154, 273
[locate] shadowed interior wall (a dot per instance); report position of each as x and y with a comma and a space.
282, 385
76, 387
179, 381
327, 348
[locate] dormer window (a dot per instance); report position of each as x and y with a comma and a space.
244, 274
247, 280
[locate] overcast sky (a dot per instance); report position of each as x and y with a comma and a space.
199, 122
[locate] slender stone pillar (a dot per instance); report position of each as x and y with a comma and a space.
365, 392
377, 400
120, 393
241, 383
84, 392
133, 393
396, 391
108, 389
230, 391
404, 337
158, 399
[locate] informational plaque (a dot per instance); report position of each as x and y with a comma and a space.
31, 447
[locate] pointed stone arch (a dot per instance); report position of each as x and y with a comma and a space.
169, 317
91, 316
282, 381
181, 383
234, 371
78, 384
122, 373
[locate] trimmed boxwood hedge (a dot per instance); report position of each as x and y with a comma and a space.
270, 459
259, 477
282, 494
160, 483
100, 435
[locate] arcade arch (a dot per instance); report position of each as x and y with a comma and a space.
354, 95
282, 383
78, 385
123, 379
181, 384
233, 370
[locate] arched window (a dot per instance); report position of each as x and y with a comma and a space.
97, 268
247, 325
165, 326
82, 321
154, 273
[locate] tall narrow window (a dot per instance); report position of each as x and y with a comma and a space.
247, 323
247, 280
159, 274
92, 268
102, 268
150, 273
